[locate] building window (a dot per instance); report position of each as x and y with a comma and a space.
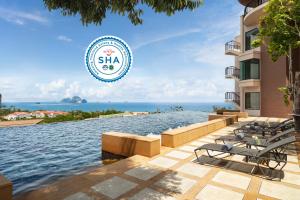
249, 37
252, 101
249, 69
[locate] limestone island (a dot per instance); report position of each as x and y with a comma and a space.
74, 99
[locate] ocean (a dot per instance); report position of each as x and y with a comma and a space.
137, 107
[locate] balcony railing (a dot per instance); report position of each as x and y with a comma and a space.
253, 4
232, 72
232, 48
232, 97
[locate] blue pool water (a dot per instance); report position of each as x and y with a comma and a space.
36, 155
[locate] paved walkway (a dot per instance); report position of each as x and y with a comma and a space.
176, 174
27, 122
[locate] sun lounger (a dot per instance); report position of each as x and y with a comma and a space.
265, 130
256, 124
262, 142
273, 152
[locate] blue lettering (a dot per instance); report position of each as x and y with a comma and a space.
107, 59
116, 60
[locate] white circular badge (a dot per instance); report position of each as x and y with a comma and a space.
108, 58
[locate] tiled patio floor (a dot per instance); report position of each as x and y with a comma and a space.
176, 174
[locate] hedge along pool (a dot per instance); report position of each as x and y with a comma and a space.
36, 155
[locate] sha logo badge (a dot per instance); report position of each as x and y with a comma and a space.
108, 58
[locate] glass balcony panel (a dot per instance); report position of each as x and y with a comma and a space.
249, 69
254, 71
252, 100
250, 36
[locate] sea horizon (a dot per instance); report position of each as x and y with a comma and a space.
5, 102
121, 106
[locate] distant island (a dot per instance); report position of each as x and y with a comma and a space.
74, 99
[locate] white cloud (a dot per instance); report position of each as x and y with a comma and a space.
144, 89
64, 38
14, 88
72, 90
209, 53
164, 37
215, 28
6, 83
51, 89
211, 48
20, 17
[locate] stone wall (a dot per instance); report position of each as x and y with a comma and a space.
126, 144
177, 137
239, 114
5, 188
216, 116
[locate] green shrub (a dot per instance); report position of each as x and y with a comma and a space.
220, 109
79, 115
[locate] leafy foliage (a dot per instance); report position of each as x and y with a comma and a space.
220, 109
8, 110
280, 27
94, 11
286, 95
176, 108
79, 115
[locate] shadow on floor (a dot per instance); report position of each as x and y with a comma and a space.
240, 167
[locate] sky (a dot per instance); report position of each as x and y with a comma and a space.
176, 59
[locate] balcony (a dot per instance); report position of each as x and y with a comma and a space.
233, 48
250, 54
252, 12
250, 73
233, 97
250, 83
232, 72
252, 4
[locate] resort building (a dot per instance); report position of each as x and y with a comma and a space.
50, 114
18, 115
257, 78
36, 114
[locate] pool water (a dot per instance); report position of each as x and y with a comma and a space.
36, 155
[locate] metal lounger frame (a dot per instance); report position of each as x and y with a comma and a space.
262, 157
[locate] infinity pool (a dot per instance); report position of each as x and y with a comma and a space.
36, 155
